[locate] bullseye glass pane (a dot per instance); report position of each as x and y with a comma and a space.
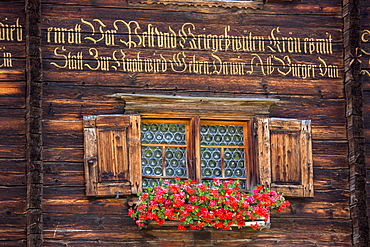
234, 155
151, 161
150, 182
163, 152
175, 162
222, 135
222, 151
163, 133
211, 162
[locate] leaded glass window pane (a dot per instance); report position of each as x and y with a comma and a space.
163, 152
223, 152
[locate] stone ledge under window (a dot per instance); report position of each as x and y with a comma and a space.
215, 107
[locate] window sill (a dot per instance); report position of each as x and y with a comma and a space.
261, 225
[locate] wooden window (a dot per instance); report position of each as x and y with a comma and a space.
120, 149
195, 149
116, 159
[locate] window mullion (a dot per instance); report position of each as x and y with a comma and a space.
194, 146
250, 163
164, 163
222, 149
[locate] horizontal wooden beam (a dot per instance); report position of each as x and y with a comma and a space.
255, 4
202, 106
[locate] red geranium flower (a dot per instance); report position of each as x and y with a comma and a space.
217, 204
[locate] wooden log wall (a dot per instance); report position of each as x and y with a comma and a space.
12, 121
294, 53
355, 122
365, 66
33, 124
77, 84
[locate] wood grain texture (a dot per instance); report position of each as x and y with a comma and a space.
285, 155
112, 155
307, 7
365, 66
172, 84
68, 95
12, 122
216, 15
256, 4
33, 119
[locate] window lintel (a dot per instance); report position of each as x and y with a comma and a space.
147, 105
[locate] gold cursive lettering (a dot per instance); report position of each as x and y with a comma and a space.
290, 44
63, 35
102, 63
71, 61
130, 30
6, 59
11, 32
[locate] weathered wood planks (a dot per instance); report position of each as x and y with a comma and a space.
71, 92
365, 66
67, 98
12, 124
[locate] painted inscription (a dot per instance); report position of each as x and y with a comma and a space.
10, 31
181, 62
226, 54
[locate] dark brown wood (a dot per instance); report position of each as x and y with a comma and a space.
355, 123
33, 124
54, 100
307, 7
12, 125
181, 82
215, 3
365, 65
211, 14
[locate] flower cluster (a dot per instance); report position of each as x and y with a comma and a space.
219, 204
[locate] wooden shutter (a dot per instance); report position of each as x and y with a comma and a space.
284, 154
112, 155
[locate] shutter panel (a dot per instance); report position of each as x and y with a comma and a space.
112, 155
284, 154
